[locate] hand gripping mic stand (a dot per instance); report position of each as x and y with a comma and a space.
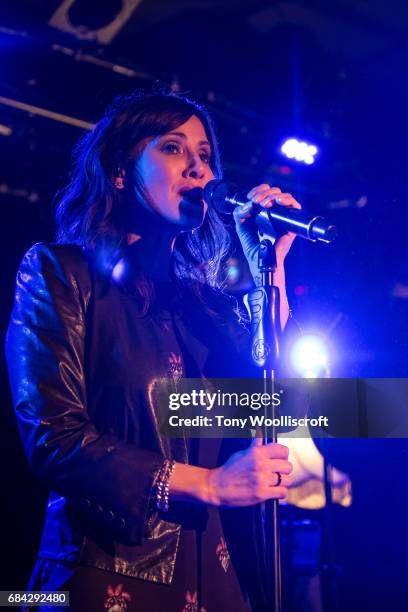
264, 305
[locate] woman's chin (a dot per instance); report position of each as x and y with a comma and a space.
192, 214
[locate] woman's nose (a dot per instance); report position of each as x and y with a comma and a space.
195, 168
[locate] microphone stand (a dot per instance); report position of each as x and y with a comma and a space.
266, 332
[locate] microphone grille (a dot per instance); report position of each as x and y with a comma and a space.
216, 192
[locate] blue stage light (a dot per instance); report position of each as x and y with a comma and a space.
299, 151
310, 357
233, 273
233, 270
118, 270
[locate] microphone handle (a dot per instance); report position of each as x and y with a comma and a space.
288, 219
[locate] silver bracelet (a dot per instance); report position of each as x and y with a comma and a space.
162, 488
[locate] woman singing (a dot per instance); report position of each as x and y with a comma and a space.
130, 294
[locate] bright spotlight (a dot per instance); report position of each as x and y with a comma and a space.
118, 270
233, 271
310, 357
299, 150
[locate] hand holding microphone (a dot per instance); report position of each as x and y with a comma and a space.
262, 197
284, 213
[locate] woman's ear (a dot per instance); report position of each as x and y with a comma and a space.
119, 178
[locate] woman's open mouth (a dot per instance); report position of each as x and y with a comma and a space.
193, 193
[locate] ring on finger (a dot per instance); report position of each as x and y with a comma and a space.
278, 482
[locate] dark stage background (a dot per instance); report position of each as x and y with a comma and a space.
333, 73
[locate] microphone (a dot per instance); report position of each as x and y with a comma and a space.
225, 197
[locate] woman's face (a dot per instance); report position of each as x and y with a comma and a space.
170, 167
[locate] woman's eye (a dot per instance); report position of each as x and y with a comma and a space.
205, 157
175, 148
172, 147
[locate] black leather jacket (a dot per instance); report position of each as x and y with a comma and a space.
82, 365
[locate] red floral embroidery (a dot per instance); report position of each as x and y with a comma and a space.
192, 603
175, 366
223, 555
117, 599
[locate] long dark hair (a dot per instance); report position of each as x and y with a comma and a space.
91, 211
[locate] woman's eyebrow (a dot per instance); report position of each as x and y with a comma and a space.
182, 135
